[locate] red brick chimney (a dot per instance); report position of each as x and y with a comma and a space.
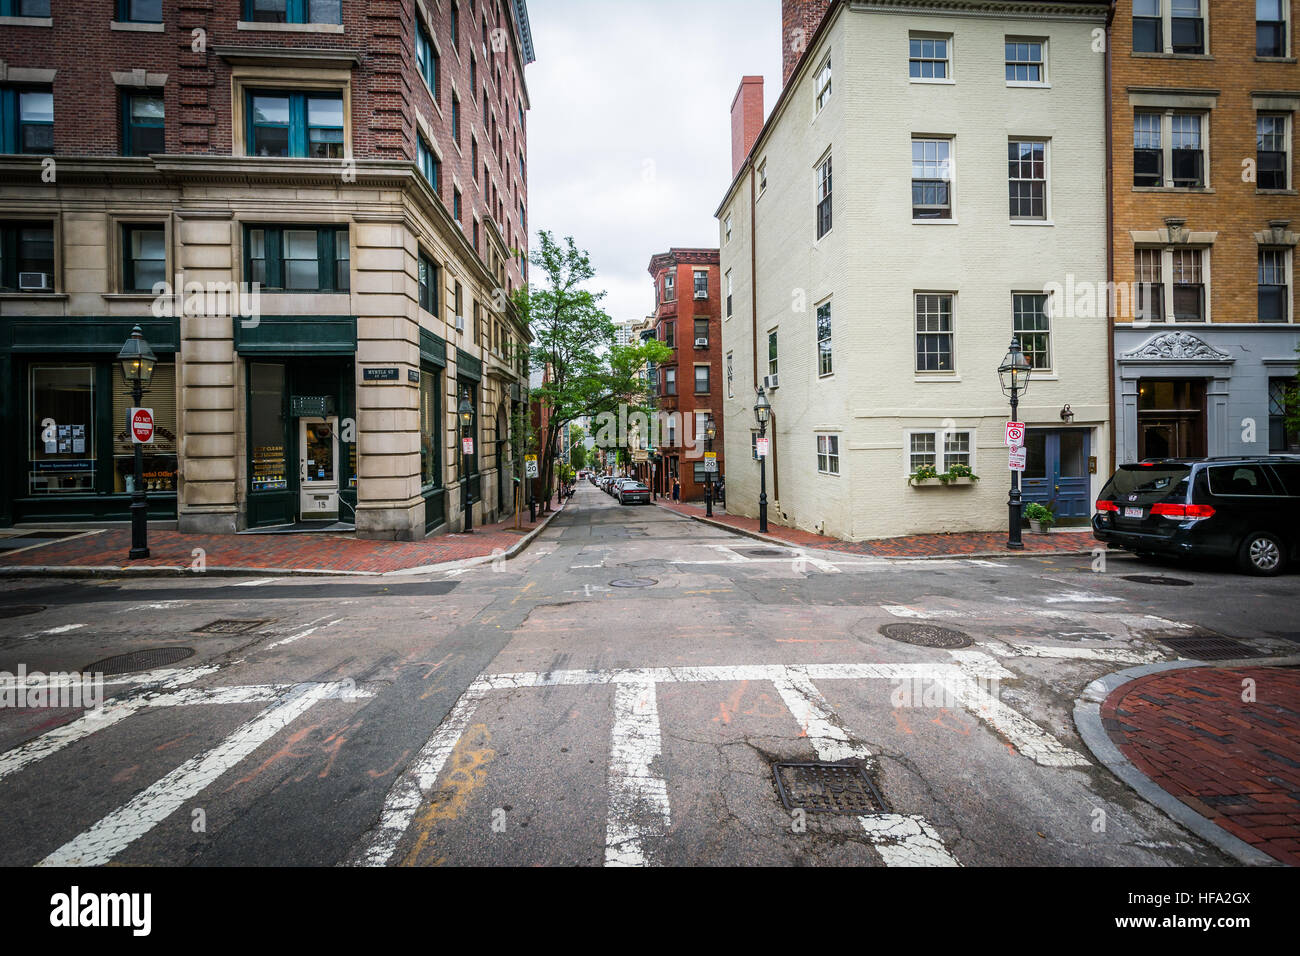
799, 21
746, 119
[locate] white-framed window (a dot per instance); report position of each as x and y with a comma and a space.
701, 380
762, 177
1027, 178
823, 84
726, 229
828, 454
1274, 285
1169, 149
670, 381
940, 448
1272, 28
1031, 323
731, 375
929, 57
931, 178
771, 353
1189, 274
1026, 61
1173, 284
825, 363
824, 197
1273, 150
728, 293
934, 332
670, 286
701, 279
1170, 26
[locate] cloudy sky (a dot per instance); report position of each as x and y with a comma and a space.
629, 138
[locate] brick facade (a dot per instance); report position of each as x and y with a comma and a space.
799, 21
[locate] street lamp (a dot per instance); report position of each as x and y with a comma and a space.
762, 414
138, 362
466, 412
1014, 376
710, 433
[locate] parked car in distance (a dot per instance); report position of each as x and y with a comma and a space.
633, 493
618, 483
1246, 509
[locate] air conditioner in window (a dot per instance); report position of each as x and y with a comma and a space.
460, 323
701, 295
34, 281
701, 343
770, 382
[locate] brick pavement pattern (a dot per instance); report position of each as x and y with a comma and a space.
272, 552
1236, 763
910, 546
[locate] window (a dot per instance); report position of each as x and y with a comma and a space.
473, 156
1025, 61
1148, 269
139, 11
24, 8
293, 259
427, 61
296, 124
922, 451
762, 178
931, 179
823, 84
1272, 144
473, 70
701, 285
1274, 289
64, 394
669, 335
142, 124
456, 205
824, 198
1270, 28
1027, 183
1148, 155
726, 226
956, 449
731, 375
1281, 400
144, 257
1148, 27
934, 333
455, 24
928, 57
28, 120
701, 380
1189, 285
1239, 480
290, 11
26, 257
429, 164
1187, 26
670, 286
824, 364
702, 331
1188, 159
828, 454
455, 118
430, 428
670, 382
940, 449
1030, 323
771, 353
476, 248
728, 293
429, 285
457, 301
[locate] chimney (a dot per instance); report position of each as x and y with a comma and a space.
746, 119
799, 21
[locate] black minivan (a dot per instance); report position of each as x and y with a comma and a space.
1247, 509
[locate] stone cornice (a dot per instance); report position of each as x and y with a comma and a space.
1176, 347
326, 58
997, 9
695, 257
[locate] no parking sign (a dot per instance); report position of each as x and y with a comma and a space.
1015, 434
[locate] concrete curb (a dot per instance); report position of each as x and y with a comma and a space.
112, 571
1087, 719
781, 542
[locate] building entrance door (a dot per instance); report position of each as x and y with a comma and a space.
318, 468
1171, 419
1056, 471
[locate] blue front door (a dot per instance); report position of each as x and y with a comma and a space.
1056, 471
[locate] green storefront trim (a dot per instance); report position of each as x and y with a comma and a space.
433, 349
297, 335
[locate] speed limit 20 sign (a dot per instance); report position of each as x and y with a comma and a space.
139, 422
1015, 434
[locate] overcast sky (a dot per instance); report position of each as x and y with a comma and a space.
629, 138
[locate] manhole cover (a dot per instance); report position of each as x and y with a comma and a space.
1209, 648
925, 635
827, 788
230, 627
145, 660
18, 610
1157, 579
765, 553
633, 583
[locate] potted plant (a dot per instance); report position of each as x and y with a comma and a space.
1040, 518
924, 475
959, 474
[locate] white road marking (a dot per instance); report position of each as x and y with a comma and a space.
1116, 655
160, 606
117, 831
1023, 734
64, 629
1161, 620
299, 636
906, 840
258, 582
638, 797
1081, 597
900, 610
813, 714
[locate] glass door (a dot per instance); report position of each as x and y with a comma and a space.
318, 474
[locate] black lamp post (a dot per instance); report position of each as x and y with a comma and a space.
710, 433
466, 412
1014, 376
138, 362
763, 414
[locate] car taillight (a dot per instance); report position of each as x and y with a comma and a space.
1107, 506
1183, 512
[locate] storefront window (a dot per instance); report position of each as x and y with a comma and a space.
266, 401
62, 443
160, 454
430, 471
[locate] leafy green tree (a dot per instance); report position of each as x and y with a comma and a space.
577, 447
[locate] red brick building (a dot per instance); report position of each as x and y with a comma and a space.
689, 299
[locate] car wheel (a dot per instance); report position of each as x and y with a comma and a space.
1262, 553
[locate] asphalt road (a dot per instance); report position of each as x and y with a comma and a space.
619, 694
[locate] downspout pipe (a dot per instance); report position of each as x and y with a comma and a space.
1110, 239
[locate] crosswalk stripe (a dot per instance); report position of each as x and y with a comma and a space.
638, 797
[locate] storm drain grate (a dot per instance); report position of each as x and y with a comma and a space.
18, 610
765, 553
146, 660
1157, 579
827, 788
230, 627
925, 635
633, 583
1209, 648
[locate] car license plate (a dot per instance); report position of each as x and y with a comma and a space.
1132, 512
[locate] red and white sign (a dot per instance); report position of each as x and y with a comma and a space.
762, 447
140, 423
1016, 459
1015, 434
467, 446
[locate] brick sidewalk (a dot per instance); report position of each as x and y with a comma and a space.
1233, 762
910, 546
271, 552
